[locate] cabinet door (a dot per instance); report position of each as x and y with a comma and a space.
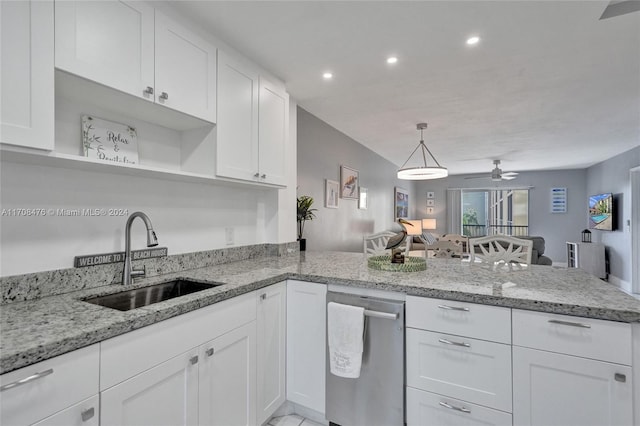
185, 70
109, 42
426, 408
306, 344
228, 379
237, 126
271, 330
164, 395
556, 389
273, 132
85, 413
26, 34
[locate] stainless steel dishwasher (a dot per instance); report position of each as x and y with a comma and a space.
377, 396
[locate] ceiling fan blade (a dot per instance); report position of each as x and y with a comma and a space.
510, 177
510, 174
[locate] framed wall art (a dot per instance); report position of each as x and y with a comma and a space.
431, 194
401, 203
331, 194
431, 202
348, 183
363, 201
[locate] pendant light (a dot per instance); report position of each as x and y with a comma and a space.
422, 172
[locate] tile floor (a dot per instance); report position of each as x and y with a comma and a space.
292, 420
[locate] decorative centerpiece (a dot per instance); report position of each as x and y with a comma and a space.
397, 261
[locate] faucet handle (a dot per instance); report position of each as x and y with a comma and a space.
139, 272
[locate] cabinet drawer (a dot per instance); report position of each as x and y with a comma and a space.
468, 369
132, 353
62, 382
426, 408
589, 338
85, 413
464, 319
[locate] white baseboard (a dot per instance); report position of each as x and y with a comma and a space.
621, 284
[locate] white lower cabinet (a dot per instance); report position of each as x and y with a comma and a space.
164, 395
558, 389
468, 369
227, 379
43, 390
306, 337
426, 408
271, 325
85, 413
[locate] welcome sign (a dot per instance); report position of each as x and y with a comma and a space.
108, 141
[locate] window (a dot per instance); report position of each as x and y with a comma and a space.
495, 211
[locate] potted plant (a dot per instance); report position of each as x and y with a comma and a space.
305, 212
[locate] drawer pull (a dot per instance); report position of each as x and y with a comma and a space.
209, 352
572, 324
193, 360
453, 407
87, 414
453, 308
263, 296
449, 342
620, 378
26, 380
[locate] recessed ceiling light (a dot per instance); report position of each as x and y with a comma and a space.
392, 60
473, 40
327, 76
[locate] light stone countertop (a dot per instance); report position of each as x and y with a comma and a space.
36, 330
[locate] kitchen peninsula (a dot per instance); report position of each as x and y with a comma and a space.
36, 330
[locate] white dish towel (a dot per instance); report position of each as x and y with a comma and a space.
345, 327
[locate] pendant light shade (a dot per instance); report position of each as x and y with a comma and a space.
424, 171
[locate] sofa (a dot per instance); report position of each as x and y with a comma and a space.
537, 256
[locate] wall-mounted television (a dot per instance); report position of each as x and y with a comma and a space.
601, 212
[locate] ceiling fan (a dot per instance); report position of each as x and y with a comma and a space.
497, 174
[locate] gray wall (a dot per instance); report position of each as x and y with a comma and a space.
321, 151
556, 229
612, 176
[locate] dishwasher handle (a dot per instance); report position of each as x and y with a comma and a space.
383, 315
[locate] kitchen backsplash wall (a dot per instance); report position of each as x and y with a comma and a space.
18, 288
322, 149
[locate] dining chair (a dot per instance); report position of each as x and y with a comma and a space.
376, 244
501, 249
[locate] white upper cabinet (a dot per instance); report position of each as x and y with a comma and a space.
237, 127
109, 42
27, 95
135, 49
273, 132
253, 124
185, 70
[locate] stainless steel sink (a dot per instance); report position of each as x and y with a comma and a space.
145, 296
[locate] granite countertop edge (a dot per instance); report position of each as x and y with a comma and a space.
90, 332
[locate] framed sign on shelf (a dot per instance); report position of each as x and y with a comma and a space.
109, 141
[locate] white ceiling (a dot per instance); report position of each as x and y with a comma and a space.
550, 86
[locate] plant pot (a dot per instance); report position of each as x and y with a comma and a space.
303, 244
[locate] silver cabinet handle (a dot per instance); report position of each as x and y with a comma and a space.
453, 407
620, 377
264, 175
26, 380
453, 308
263, 296
572, 324
257, 175
149, 90
193, 359
449, 342
209, 352
164, 96
87, 414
